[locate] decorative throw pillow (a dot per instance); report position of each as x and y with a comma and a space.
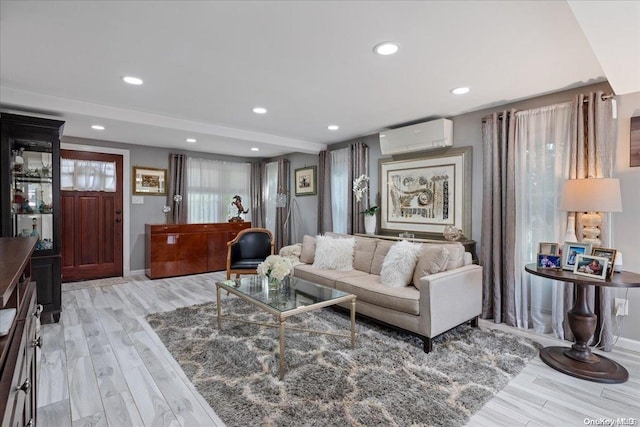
398, 265
431, 260
308, 249
334, 254
456, 256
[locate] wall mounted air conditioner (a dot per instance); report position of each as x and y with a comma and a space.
418, 137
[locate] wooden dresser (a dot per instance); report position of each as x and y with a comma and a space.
18, 380
180, 249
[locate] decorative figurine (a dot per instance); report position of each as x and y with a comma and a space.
237, 202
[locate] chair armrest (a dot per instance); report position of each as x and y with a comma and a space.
450, 298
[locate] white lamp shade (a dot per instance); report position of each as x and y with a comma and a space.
591, 195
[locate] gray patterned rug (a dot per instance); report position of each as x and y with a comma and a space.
387, 380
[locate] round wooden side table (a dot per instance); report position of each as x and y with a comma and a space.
578, 360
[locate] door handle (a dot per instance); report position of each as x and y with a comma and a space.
118, 211
118, 220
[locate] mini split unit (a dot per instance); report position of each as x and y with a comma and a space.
418, 137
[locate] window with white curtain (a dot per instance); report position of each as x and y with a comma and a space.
270, 191
87, 175
211, 185
340, 189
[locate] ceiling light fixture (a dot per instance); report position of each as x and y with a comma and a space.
333, 127
97, 127
260, 110
132, 80
386, 48
255, 149
460, 90
191, 140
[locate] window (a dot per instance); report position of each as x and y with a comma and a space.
340, 189
211, 185
87, 175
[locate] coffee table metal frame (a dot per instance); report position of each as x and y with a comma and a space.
281, 316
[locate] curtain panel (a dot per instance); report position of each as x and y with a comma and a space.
282, 232
256, 188
177, 187
325, 221
359, 153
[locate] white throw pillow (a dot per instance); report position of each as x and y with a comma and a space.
334, 254
398, 265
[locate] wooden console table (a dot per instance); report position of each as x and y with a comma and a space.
578, 361
180, 249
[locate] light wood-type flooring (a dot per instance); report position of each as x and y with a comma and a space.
103, 365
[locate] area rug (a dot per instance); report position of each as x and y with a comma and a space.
386, 380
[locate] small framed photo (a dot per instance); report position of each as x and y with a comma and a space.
592, 266
149, 181
571, 250
609, 254
549, 261
548, 248
305, 179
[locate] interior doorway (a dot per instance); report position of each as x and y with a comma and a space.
92, 223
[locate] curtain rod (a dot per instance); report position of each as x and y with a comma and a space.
603, 97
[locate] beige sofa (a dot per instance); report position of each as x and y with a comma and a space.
445, 289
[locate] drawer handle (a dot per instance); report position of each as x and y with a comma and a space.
38, 311
25, 386
38, 342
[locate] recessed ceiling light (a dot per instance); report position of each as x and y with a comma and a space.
132, 80
255, 149
191, 140
460, 90
386, 48
260, 110
97, 127
333, 127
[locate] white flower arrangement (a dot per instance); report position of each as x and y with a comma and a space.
360, 186
275, 267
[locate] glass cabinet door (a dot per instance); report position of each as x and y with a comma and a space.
32, 191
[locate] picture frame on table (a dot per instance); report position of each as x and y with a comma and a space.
149, 181
425, 195
571, 250
549, 248
549, 261
305, 181
609, 254
591, 266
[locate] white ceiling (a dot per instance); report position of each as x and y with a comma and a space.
207, 64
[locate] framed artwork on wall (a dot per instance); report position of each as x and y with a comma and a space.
149, 181
634, 154
428, 194
305, 179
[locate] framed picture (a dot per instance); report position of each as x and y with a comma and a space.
549, 261
634, 143
426, 195
609, 254
548, 248
149, 181
306, 181
571, 250
592, 266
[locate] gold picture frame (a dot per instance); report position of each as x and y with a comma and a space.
149, 181
305, 181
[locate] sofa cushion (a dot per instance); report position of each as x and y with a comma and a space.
380, 253
363, 254
456, 255
334, 254
431, 260
323, 277
369, 289
308, 249
398, 265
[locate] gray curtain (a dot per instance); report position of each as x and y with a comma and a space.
325, 222
359, 166
498, 219
592, 147
282, 231
177, 185
256, 189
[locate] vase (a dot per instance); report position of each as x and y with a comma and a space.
274, 283
370, 224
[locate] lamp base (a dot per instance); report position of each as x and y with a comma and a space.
590, 232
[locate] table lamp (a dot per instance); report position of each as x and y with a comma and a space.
591, 195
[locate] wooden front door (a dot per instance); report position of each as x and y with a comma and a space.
92, 226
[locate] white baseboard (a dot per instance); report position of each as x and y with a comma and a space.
628, 344
136, 273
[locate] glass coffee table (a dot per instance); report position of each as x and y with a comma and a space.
293, 296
